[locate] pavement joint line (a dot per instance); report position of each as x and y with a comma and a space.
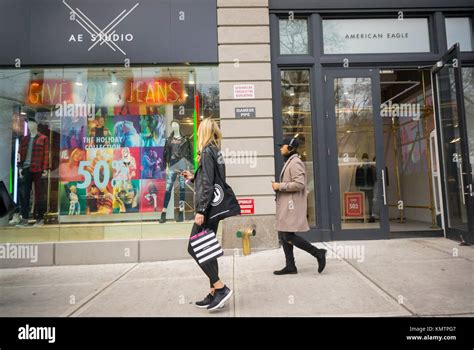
87, 300
233, 283
427, 245
443, 315
371, 281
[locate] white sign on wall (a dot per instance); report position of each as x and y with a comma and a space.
244, 91
379, 35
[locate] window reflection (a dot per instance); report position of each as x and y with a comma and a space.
293, 36
296, 118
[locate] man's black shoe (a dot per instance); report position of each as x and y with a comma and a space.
286, 271
321, 259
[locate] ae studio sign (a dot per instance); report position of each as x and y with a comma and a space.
107, 35
107, 31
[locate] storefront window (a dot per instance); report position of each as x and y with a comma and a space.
355, 133
459, 30
102, 145
296, 116
293, 36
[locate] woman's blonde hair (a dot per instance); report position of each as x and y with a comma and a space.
209, 133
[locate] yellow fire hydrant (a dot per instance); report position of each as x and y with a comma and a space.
245, 235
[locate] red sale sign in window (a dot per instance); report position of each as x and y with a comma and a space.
247, 206
353, 204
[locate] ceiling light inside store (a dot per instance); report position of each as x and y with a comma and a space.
22, 111
79, 79
292, 91
191, 78
113, 79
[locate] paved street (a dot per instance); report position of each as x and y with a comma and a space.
398, 277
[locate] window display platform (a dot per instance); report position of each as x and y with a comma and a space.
93, 232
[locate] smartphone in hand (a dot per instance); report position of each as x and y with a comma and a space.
187, 174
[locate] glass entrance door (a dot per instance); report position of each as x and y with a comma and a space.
457, 183
357, 173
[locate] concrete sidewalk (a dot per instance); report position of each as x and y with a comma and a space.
398, 277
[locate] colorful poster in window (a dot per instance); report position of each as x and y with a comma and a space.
114, 163
99, 132
70, 160
98, 167
126, 163
153, 164
152, 130
99, 200
126, 196
72, 199
97, 118
126, 131
152, 195
73, 132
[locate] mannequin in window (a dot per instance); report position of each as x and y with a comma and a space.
34, 164
178, 157
365, 181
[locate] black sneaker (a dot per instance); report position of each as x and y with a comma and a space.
220, 298
163, 218
204, 303
321, 259
286, 271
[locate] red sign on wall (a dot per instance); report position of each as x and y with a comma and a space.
353, 204
247, 206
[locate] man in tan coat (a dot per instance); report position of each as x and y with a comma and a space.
291, 208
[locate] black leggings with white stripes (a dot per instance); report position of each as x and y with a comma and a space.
211, 267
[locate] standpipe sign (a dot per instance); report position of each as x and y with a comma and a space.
100, 36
